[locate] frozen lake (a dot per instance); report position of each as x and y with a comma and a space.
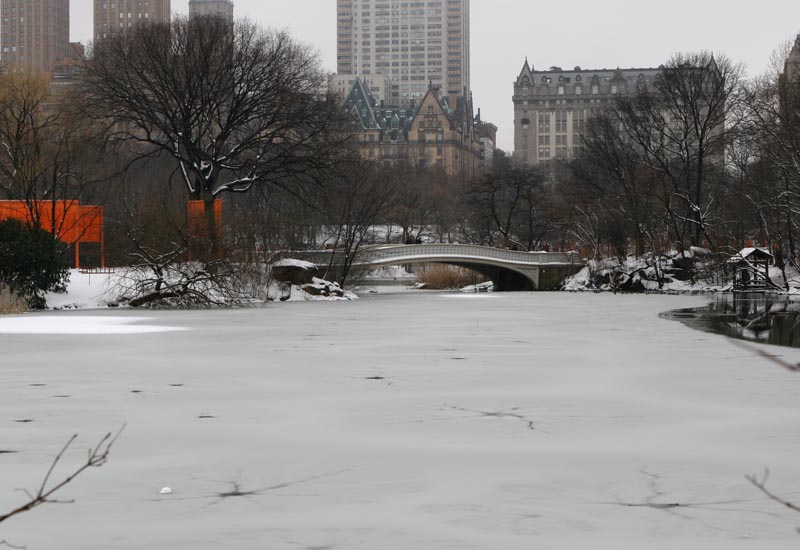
408, 421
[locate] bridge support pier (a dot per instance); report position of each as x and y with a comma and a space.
525, 279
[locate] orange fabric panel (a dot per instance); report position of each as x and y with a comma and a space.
58, 217
87, 226
197, 218
13, 210
70, 222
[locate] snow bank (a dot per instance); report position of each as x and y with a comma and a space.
100, 291
635, 274
85, 291
83, 325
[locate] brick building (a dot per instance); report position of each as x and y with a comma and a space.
34, 35
114, 16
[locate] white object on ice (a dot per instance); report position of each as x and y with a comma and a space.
165, 491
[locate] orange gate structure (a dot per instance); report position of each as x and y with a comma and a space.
70, 222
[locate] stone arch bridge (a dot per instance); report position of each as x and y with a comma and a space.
509, 270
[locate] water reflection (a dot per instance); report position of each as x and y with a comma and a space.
756, 317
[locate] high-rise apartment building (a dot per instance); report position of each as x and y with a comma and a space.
114, 16
551, 107
414, 43
220, 8
34, 35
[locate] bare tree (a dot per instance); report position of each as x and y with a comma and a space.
417, 200
774, 108
512, 203
49, 153
234, 106
609, 179
678, 127
359, 197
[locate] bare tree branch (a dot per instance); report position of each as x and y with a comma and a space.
768, 356
761, 485
97, 457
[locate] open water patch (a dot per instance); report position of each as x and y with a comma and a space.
762, 318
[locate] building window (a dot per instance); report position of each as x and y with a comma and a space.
561, 121
544, 123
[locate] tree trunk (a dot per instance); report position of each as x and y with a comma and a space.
211, 236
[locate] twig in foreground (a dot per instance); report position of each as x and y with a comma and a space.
768, 356
96, 458
761, 485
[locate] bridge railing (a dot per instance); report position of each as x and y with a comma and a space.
388, 253
472, 251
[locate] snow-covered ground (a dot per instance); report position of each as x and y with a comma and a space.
97, 291
85, 291
404, 421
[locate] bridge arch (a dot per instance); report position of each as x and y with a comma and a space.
509, 270
504, 278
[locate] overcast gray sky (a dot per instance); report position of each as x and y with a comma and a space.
589, 33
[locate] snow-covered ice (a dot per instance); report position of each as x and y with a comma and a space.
405, 421
85, 325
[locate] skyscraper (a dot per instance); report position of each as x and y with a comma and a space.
413, 43
221, 8
35, 34
113, 16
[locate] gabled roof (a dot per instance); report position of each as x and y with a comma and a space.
361, 103
751, 253
526, 72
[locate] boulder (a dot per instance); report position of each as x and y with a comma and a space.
320, 287
294, 272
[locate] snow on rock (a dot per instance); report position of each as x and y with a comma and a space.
488, 286
289, 262
294, 272
316, 289
636, 275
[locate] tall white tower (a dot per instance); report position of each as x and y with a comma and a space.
415, 44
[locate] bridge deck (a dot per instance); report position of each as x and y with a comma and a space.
381, 254
385, 254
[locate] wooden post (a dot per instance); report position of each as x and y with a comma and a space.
102, 242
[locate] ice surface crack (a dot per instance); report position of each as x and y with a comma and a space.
508, 413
